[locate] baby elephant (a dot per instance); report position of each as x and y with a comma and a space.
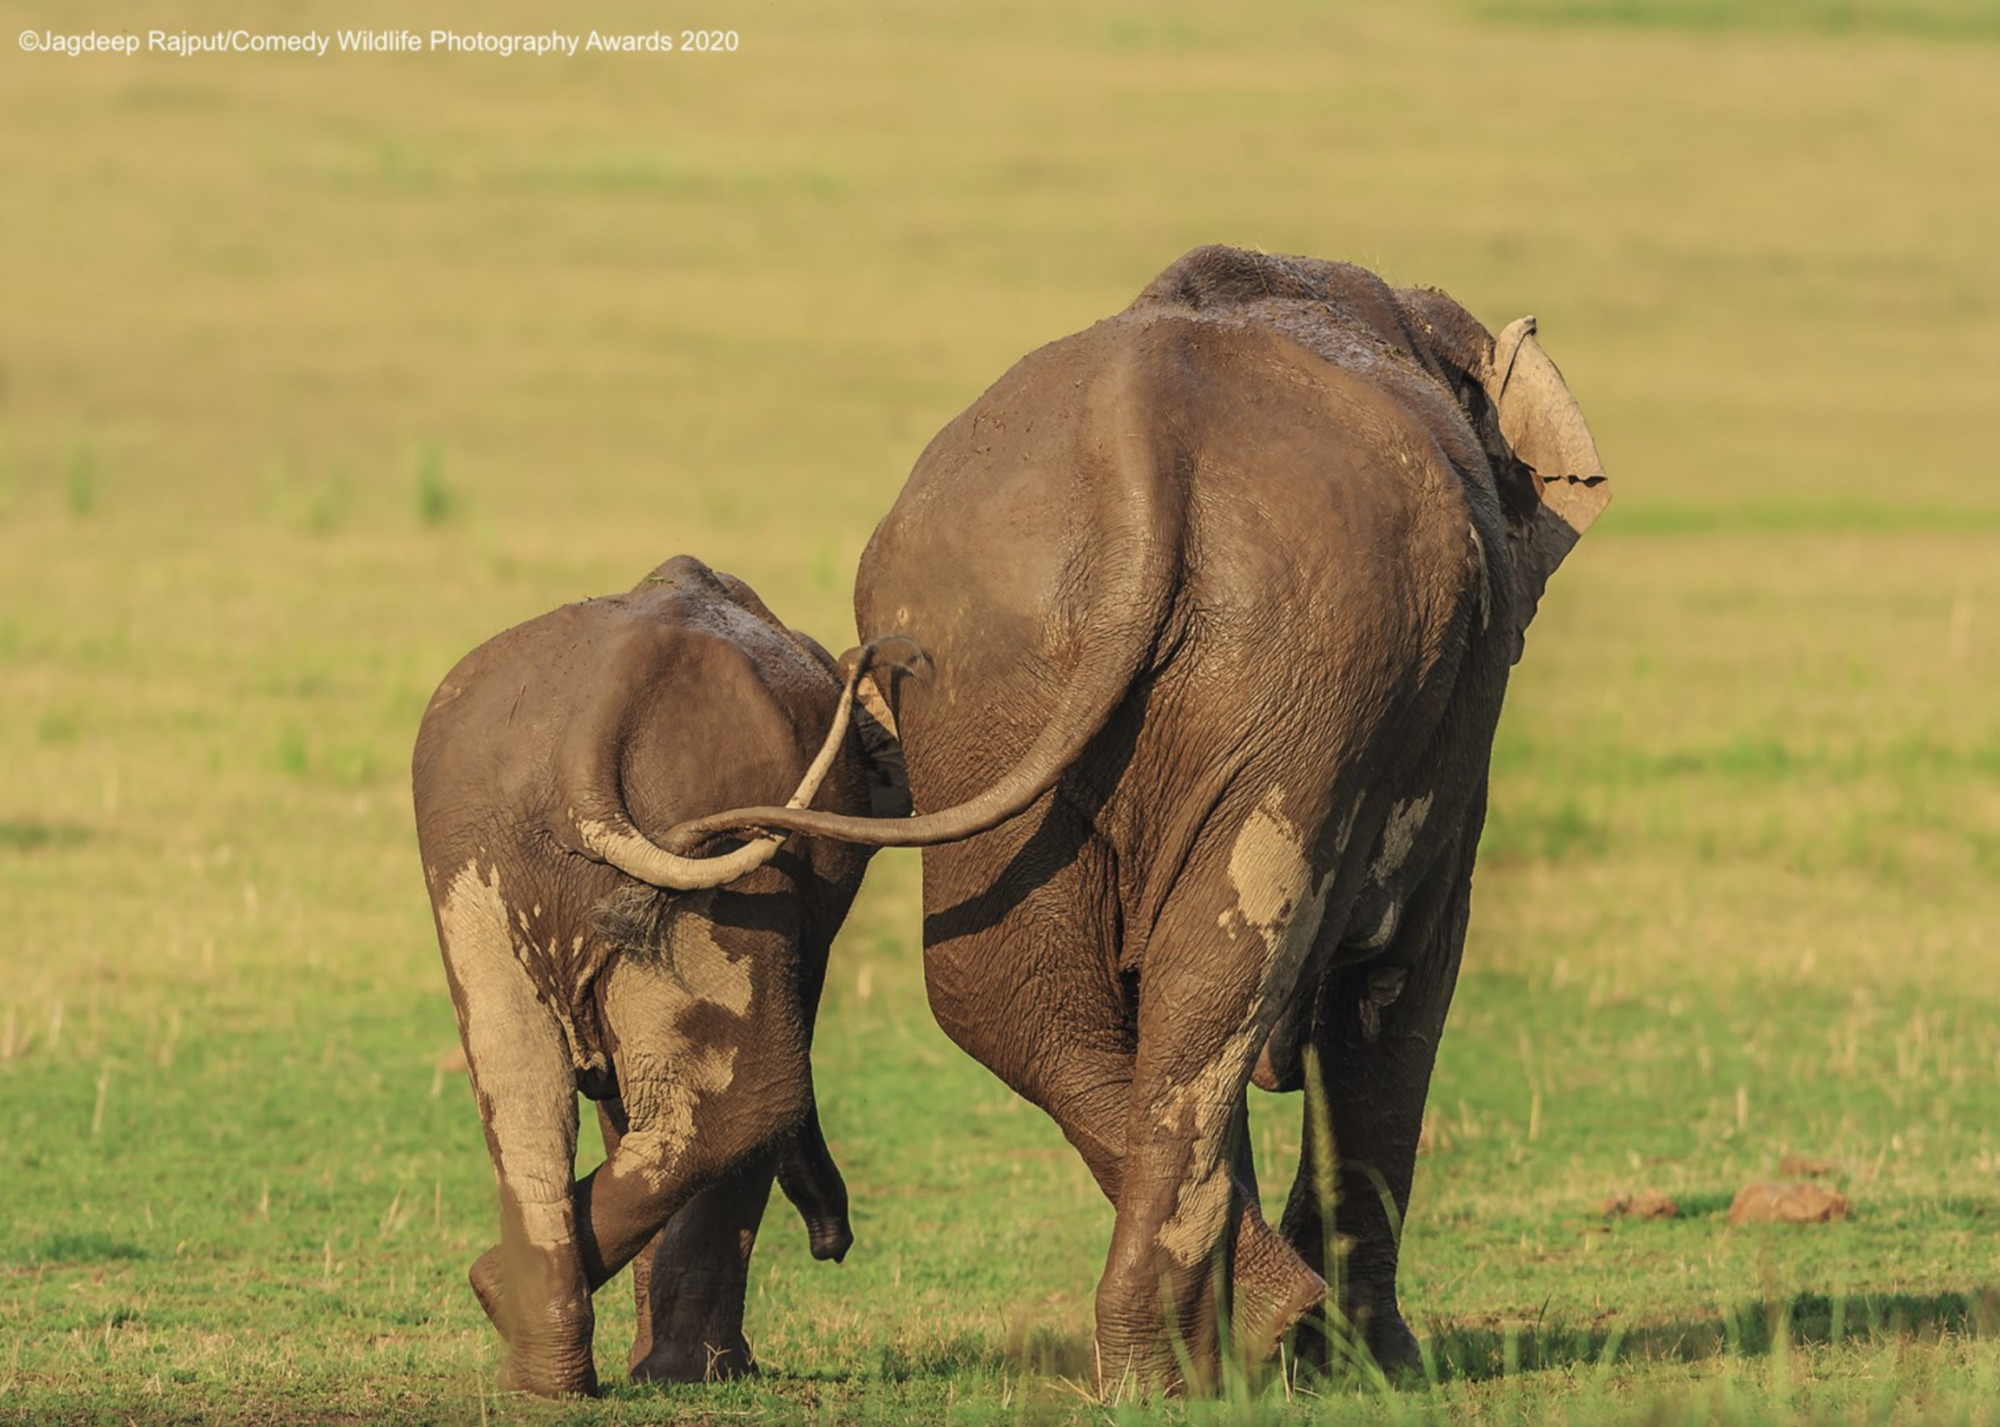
678, 992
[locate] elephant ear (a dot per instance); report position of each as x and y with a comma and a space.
1545, 429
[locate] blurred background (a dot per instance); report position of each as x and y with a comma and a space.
316, 372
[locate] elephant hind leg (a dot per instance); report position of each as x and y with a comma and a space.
698, 1274
532, 1285
1066, 1043
690, 1281
707, 1094
1223, 958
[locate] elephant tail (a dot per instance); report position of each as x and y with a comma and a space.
609, 835
1139, 525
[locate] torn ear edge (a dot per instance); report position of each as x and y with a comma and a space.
1576, 500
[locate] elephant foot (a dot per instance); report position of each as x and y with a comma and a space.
547, 1352
548, 1378
1125, 1372
697, 1360
485, 1279
1375, 1327
1274, 1288
1389, 1341
1329, 1343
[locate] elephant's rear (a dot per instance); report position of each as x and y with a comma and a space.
679, 698
1324, 568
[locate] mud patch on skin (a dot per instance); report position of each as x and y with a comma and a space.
675, 931
663, 1073
1385, 928
1199, 1218
704, 967
1385, 985
1276, 897
518, 1054
1399, 836
1270, 873
662, 1100
1275, 892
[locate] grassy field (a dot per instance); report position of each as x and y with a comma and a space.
314, 373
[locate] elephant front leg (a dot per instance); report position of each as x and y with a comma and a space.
1373, 1049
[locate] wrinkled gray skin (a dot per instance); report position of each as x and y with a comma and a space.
581, 956
1223, 594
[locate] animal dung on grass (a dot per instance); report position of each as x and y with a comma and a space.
1646, 1204
1787, 1204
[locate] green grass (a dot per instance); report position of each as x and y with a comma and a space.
315, 375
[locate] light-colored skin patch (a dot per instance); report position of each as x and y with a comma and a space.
1385, 985
1268, 868
703, 966
1278, 899
1384, 931
1199, 1218
518, 1056
662, 1077
1399, 836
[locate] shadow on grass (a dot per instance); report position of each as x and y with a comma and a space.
1479, 1353
80, 1249
1747, 1330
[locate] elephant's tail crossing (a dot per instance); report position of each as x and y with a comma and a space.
612, 837
1139, 527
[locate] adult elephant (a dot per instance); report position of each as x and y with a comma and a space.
1222, 593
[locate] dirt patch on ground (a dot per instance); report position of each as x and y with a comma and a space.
1799, 1203
1646, 1204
